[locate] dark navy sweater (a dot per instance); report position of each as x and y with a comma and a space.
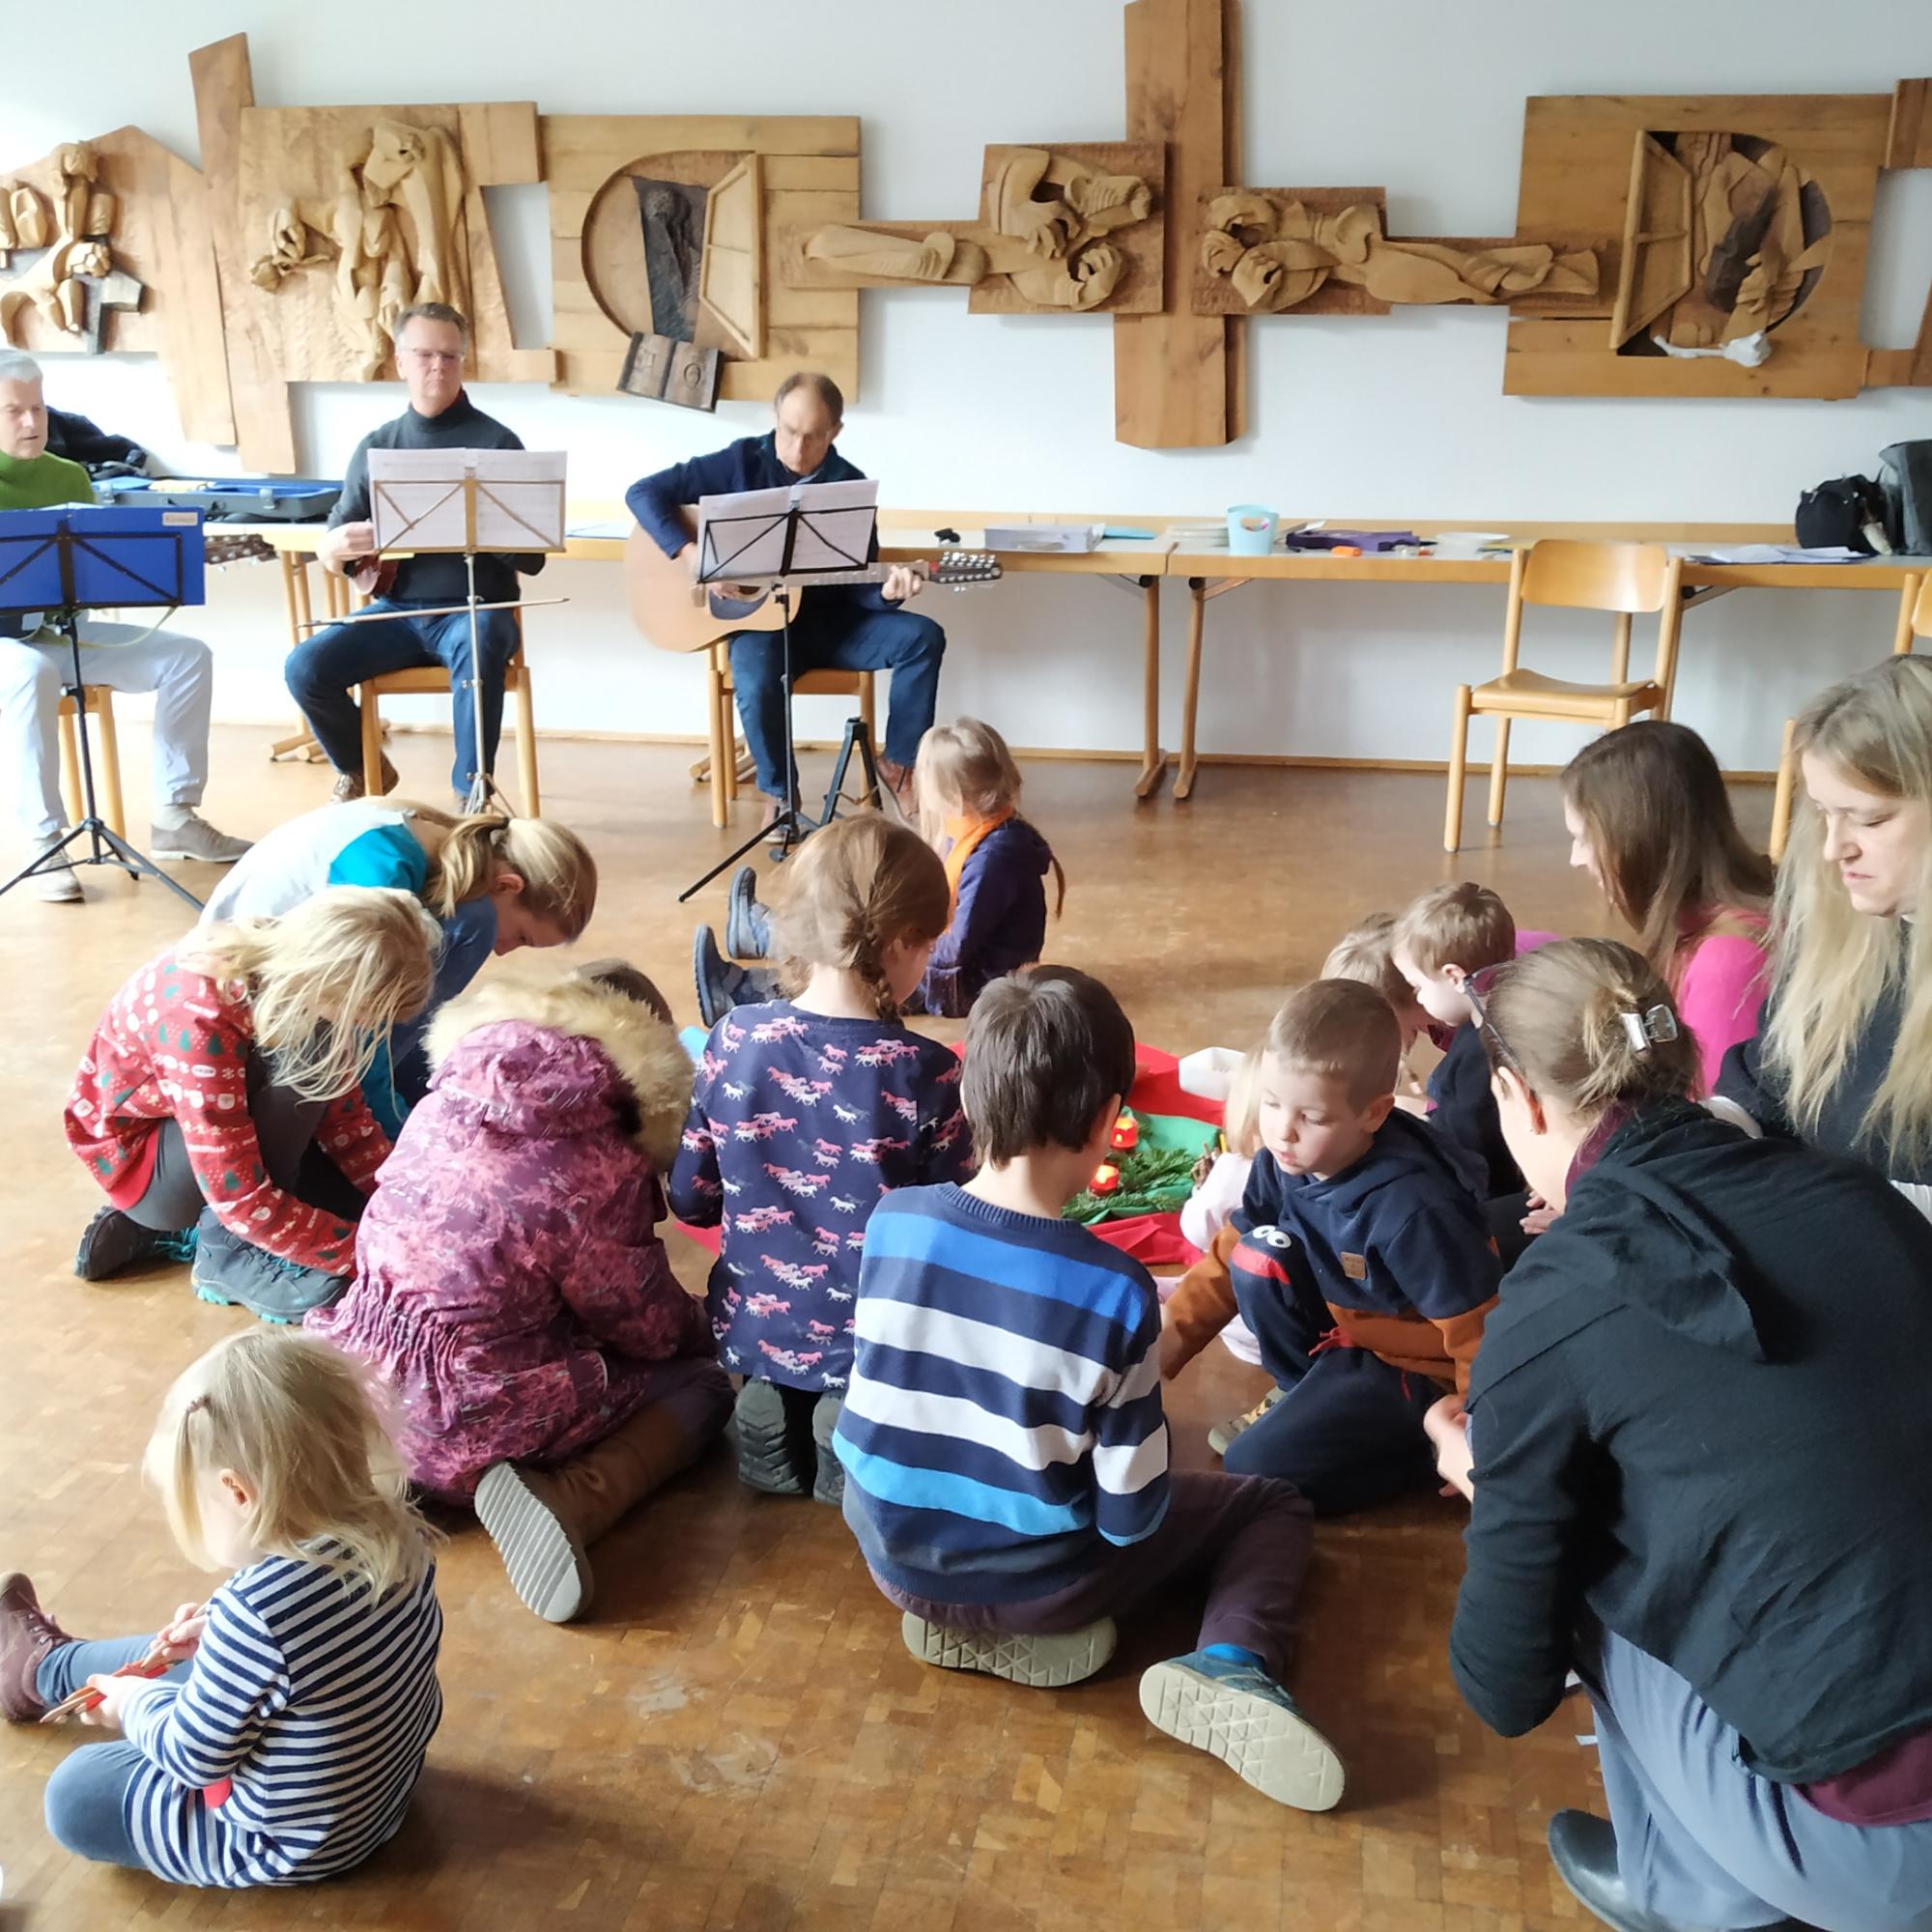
752, 463
1462, 1107
1000, 922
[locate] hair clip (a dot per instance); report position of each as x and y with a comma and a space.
1651, 1028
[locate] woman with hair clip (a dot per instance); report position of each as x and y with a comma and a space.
1651, 822
1700, 1476
1843, 1055
494, 885
219, 1103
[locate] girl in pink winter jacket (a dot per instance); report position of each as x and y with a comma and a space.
510, 1284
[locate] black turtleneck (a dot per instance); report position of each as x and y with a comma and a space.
437, 578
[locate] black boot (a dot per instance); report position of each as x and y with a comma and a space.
1584, 1852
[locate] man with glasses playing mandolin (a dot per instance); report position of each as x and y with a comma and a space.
431, 340
842, 627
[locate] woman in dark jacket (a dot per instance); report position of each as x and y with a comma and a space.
1699, 1450
1843, 1055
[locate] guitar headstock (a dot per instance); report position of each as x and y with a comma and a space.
957, 569
242, 549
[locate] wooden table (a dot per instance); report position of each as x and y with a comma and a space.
1211, 574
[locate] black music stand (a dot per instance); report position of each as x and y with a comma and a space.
799, 541
107, 565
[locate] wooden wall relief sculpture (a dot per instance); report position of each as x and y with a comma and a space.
1070, 228
104, 245
390, 232
629, 314
1266, 250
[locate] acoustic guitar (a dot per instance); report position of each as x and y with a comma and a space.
677, 615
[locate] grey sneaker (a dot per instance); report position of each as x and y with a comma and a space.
1234, 1712
1224, 1432
114, 1241
196, 839
59, 884
1040, 1662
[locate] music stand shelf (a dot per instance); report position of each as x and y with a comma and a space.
82, 558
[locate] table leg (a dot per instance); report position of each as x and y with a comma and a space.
1154, 760
1908, 600
1190, 703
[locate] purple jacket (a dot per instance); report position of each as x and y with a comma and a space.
1000, 922
510, 1286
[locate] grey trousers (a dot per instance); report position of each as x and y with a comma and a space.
1703, 1840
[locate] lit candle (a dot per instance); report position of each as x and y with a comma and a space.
1106, 1180
1127, 1136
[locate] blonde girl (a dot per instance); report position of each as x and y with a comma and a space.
996, 868
221, 1091
806, 1110
1649, 820
494, 885
1843, 1055
1366, 952
282, 1741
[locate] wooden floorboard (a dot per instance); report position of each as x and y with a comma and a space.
736, 1739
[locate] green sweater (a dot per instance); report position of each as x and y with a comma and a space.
41, 482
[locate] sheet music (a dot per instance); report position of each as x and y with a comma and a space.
417, 498
741, 537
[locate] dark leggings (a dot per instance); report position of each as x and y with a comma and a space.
285, 1127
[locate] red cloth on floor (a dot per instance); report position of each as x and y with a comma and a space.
1155, 1240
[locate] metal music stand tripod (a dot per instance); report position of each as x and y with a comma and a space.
751, 546
108, 564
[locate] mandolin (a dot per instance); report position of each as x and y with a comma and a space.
676, 614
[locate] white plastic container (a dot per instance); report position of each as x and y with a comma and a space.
1210, 1073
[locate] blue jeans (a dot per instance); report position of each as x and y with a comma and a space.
87, 1795
897, 639
322, 673
1702, 1839
1348, 1433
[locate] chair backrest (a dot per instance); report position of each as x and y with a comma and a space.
1585, 576
1921, 611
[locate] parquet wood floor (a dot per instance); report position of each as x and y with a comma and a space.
736, 1738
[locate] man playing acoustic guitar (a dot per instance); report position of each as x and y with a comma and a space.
844, 627
432, 341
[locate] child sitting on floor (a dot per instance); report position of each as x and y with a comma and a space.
1363, 1264
282, 1741
1366, 952
996, 867
1450, 938
1005, 1450
510, 1284
805, 1112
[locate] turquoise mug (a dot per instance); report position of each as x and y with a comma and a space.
1251, 529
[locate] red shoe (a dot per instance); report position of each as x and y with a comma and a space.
26, 1634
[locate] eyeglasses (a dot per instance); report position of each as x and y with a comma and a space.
434, 354
1479, 1012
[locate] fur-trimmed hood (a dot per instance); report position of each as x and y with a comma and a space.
533, 1059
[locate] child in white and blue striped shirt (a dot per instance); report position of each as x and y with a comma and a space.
284, 1739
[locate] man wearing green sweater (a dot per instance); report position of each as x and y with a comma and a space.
34, 662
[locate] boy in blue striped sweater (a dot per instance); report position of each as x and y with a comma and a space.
1004, 1451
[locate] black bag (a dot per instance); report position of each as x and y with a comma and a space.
1905, 482
1848, 513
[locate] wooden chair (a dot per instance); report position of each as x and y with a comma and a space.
99, 703
721, 764
1914, 620
1624, 578
435, 678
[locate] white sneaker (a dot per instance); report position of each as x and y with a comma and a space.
197, 839
58, 885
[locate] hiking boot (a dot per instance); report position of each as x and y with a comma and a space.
1224, 1432
27, 1633
748, 925
767, 1457
1040, 1663
113, 1241
1235, 1711
197, 841
546, 1563
717, 980
828, 1485
228, 1271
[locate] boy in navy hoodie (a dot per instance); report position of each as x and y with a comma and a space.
1363, 1263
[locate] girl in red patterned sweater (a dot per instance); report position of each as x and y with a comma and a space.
222, 1092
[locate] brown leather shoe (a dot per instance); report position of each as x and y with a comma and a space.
26, 1634
899, 780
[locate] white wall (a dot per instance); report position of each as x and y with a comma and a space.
1392, 418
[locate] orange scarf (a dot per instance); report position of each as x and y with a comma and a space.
967, 836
